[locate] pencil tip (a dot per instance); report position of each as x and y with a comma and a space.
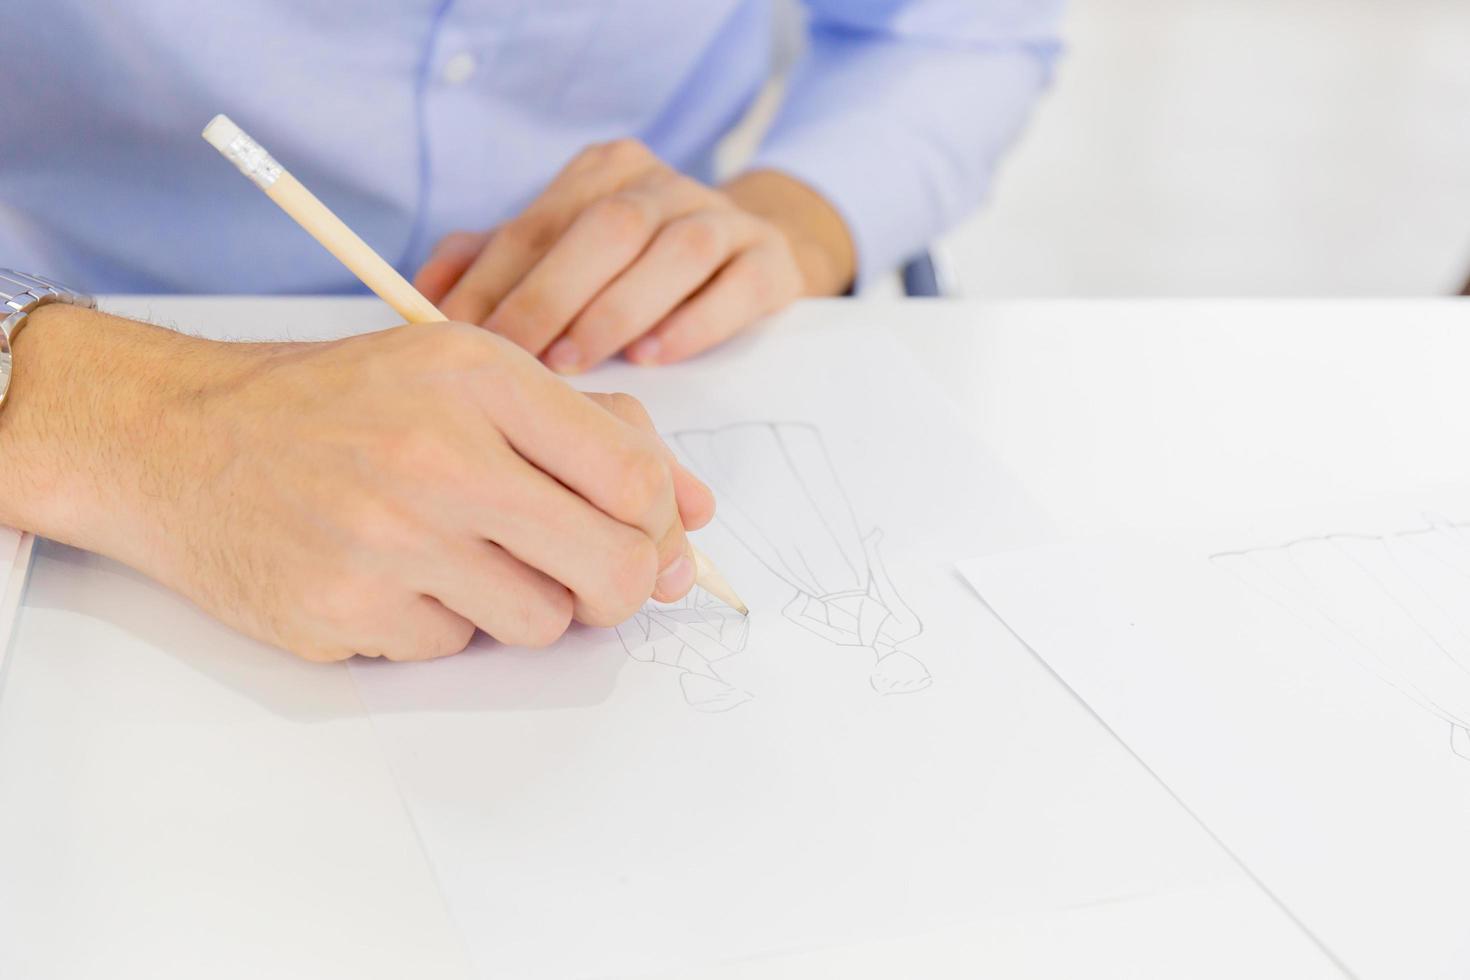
714, 583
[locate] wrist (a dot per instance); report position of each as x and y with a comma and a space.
819, 237
101, 430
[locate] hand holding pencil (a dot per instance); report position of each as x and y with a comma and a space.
678, 562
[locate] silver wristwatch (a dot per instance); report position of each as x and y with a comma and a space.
20, 295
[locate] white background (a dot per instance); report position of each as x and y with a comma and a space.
1239, 148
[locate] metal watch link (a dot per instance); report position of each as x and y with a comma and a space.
20, 295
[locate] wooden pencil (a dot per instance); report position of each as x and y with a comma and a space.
376, 273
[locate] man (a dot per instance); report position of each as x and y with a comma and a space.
387, 495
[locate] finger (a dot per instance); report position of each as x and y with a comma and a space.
503, 596
675, 557
610, 568
696, 501
683, 256
600, 244
320, 653
758, 282
677, 577
447, 263
422, 629
520, 243
621, 470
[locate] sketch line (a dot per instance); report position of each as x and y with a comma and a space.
782, 500
1400, 600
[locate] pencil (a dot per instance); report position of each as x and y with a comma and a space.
320, 223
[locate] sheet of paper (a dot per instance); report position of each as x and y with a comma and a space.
846, 764
15, 555
1302, 683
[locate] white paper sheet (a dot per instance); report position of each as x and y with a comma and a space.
696, 787
15, 555
1302, 683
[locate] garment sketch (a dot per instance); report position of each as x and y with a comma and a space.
781, 498
691, 636
1399, 602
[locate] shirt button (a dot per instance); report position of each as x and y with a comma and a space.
459, 69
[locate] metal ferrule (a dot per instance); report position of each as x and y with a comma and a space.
253, 160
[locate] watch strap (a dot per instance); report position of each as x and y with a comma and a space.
20, 295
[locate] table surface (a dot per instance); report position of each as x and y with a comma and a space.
177, 801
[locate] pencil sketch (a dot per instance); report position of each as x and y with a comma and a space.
691, 636
780, 496
1399, 602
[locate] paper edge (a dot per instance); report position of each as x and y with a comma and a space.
10, 601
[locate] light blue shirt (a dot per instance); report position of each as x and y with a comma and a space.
412, 118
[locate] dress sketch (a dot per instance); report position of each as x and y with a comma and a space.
780, 497
1399, 603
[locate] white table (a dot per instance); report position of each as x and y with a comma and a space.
177, 801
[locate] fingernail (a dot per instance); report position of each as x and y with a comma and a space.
644, 351
678, 578
564, 356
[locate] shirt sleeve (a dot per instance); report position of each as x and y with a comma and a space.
899, 110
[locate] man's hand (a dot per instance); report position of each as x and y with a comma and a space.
622, 253
381, 495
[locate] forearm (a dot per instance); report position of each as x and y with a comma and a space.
93, 401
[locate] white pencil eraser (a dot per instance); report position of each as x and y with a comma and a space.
237, 146
221, 132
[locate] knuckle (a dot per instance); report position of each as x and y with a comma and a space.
526, 311
420, 629
544, 620
663, 179
374, 526
622, 216
501, 491
459, 240
446, 346
455, 638
643, 482
628, 408
339, 602
625, 152
425, 452
321, 653
400, 650
631, 575
432, 642
593, 616
404, 650
699, 238
527, 234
